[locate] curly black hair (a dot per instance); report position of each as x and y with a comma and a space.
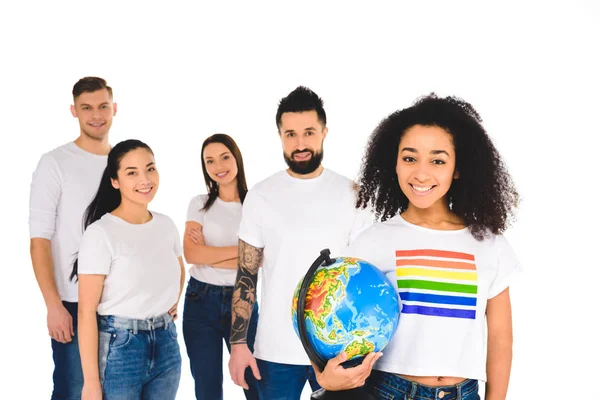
484, 196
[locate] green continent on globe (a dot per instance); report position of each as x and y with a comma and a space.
359, 348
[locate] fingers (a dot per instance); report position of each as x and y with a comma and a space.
240, 380
255, 369
71, 328
337, 360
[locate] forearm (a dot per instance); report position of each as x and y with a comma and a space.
232, 263
182, 278
201, 254
244, 293
88, 346
499, 362
41, 258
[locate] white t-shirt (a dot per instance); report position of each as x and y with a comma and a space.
140, 263
293, 220
64, 183
220, 226
444, 280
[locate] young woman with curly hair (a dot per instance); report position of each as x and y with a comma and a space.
443, 197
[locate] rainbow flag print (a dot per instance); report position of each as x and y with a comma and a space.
437, 283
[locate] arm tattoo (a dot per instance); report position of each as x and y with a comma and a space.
244, 293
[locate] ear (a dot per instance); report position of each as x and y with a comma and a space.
325, 130
456, 174
73, 111
114, 183
114, 109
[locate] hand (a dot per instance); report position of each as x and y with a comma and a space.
240, 359
335, 377
60, 324
196, 236
173, 311
91, 391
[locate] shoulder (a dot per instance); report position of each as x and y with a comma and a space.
269, 184
162, 219
198, 201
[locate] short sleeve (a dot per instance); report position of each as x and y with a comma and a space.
43, 198
507, 264
363, 219
95, 252
194, 210
178, 249
250, 226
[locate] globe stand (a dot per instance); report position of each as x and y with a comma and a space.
321, 394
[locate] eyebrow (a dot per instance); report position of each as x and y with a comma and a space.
434, 152
89, 105
310, 128
223, 153
147, 165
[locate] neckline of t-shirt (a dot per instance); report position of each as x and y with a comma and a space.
85, 152
228, 203
401, 219
301, 181
122, 221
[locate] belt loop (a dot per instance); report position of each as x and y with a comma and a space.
459, 391
135, 326
413, 391
166, 320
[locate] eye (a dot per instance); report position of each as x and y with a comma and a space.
85, 108
409, 159
291, 135
439, 162
131, 173
151, 169
309, 133
226, 157
104, 106
208, 161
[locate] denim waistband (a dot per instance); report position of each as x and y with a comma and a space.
415, 390
207, 288
162, 321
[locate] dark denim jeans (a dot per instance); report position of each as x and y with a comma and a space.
206, 324
388, 386
68, 376
284, 381
138, 359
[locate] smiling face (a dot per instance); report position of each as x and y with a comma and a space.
220, 163
137, 177
95, 111
302, 136
426, 166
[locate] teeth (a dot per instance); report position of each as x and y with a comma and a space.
422, 188
145, 190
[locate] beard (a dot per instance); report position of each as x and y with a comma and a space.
304, 167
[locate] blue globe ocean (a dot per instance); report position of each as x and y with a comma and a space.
350, 306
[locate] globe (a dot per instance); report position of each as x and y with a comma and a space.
350, 306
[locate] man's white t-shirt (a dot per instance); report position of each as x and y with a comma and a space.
444, 279
220, 225
64, 183
293, 220
140, 262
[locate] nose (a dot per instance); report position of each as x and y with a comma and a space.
422, 172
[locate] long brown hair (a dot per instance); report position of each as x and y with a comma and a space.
211, 186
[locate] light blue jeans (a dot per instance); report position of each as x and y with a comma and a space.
138, 359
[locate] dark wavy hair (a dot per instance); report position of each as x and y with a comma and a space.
484, 196
108, 198
299, 100
212, 186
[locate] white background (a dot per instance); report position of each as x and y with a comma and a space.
181, 72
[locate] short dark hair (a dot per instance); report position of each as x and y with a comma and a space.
484, 196
299, 100
90, 84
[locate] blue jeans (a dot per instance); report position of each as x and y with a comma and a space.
138, 359
68, 376
388, 386
284, 381
206, 324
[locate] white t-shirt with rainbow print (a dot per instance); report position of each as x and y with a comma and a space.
444, 279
